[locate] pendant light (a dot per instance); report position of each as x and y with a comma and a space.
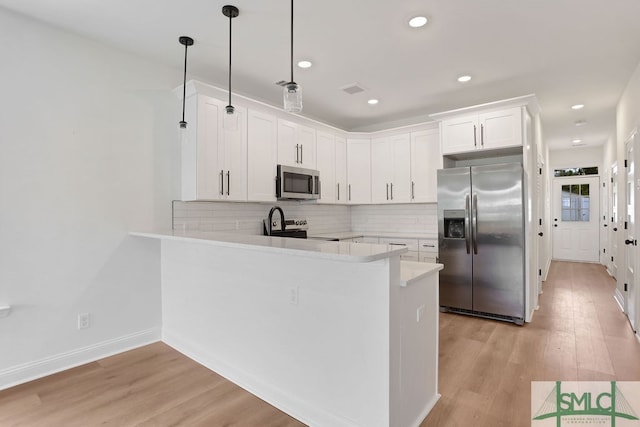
292, 90
230, 121
186, 41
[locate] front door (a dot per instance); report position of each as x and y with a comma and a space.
576, 234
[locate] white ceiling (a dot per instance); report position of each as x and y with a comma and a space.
564, 51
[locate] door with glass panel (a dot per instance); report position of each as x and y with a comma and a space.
576, 219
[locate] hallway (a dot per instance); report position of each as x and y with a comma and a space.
578, 334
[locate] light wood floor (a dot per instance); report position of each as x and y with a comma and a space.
486, 369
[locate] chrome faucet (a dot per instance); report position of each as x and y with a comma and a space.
273, 209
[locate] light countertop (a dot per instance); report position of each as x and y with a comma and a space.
411, 271
352, 234
340, 251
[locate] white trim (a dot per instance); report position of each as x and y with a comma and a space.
50, 365
428, 407
619, 298
303, 411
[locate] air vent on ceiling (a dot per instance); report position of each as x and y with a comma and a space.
352, 88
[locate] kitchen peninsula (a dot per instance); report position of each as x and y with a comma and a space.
333, 333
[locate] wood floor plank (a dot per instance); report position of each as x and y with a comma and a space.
485, 370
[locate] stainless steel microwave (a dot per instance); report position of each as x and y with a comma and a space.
297, 183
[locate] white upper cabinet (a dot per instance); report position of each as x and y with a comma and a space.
390, 169
214, 165
425, 162
482, 131
326, 165
262, 130
296, 144
358, 171
341, 170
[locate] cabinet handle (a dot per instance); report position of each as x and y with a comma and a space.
349, 192
228, 181
413, 190
297, 154
392, 191
482, 135
301, 161
428, 246
475, 141
222, 182
338, 191
398, 244
387, 191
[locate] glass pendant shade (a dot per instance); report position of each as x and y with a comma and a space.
230, 119
292, 97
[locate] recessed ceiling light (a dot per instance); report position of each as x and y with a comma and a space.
577, 107
417, 21
372, 101
580, 122
464, 79
577, 141
304, 64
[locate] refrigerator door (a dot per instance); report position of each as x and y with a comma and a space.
498, 239
454, 238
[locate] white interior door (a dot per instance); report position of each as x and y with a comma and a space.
540, 229
576, 219
615, 222
631, 188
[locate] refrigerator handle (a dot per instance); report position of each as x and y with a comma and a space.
467, 208
474, 223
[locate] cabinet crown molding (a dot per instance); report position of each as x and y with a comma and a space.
528, 101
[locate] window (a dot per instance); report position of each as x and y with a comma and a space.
576, 202
576, 171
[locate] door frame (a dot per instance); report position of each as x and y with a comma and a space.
631, 250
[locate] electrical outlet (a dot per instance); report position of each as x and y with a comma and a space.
420, 313
293, 295
84, 321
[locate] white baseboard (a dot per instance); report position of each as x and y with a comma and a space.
303, 411
619, 298
50, 365
426, 410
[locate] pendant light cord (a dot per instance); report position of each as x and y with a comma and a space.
184, 80
230, 18
292, 41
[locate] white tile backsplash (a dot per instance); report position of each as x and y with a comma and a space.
247, 218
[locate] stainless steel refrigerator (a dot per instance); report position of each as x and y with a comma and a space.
481, 241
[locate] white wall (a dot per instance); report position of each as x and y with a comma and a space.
87, 141
576, 157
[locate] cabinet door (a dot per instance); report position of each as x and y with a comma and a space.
234, 143
425, 162
341, 170
288, 149
359, 171
306, 138
200, 170
296, 144
262, 152
326, 163
381, 169
400, 187
460, 134
501, 129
